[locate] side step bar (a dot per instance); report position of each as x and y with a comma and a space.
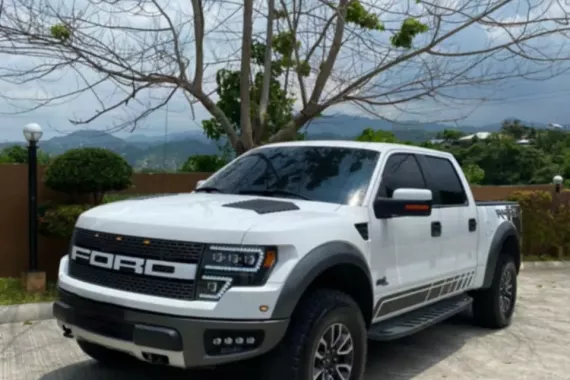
417, 320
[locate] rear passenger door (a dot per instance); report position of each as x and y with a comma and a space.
459, 241
409, 238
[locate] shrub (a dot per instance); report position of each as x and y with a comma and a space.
546, 224
18, 154
203, 163
92, 171
59, 221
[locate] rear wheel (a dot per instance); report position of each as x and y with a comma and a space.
106, 356
326, 340
494, 307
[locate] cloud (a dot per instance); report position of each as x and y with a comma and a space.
222, 47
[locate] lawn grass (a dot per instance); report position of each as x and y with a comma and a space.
12, 293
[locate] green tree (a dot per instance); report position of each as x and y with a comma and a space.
474, 174
450, 134
17, 154
92, 171
203, 163
371, 135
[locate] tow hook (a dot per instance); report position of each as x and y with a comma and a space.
66, 332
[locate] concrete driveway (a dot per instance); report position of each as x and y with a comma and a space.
536, 346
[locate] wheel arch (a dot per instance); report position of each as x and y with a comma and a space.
335, 265
506, 241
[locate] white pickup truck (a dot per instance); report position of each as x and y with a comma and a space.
293, 255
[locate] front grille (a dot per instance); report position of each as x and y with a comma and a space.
157, 249
154, 249
129, 282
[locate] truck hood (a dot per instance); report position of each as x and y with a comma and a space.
200, 217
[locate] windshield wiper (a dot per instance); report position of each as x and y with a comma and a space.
208, 189
270, 193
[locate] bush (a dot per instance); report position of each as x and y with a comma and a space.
92, 171
546, 225
203, 163
18, 154
59, 221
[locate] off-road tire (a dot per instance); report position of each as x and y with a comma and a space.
106, 356
487, 303
316, 313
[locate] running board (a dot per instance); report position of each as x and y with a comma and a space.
417, 320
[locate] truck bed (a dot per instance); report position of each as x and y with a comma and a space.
496, 203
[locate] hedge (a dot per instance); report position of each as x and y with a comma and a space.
59, 220
546, 224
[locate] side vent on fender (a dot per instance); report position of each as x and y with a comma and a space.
362, 229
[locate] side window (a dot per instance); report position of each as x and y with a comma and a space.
444, 182
401, 170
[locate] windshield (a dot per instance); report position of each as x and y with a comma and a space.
326, 174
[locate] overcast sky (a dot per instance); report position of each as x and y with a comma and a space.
535, 101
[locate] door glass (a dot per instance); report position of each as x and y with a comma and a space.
401, 171
446, 187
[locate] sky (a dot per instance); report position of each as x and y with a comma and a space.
543, 101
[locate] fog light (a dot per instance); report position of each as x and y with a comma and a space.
229, 342
212, 287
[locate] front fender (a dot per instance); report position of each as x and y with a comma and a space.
316, 262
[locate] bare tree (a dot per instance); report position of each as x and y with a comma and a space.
374, 54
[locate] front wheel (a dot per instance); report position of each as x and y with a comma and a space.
494, 307
326, 340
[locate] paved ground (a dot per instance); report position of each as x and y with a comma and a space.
535, 347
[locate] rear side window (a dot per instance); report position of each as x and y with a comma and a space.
401, 171
444, 182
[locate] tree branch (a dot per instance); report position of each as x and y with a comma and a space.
264, 100
245, 125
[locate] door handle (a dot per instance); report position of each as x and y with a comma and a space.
435, 229
472, 224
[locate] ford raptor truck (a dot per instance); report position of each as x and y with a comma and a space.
291, 257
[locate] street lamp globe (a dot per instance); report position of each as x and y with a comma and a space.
557, 180
33, 132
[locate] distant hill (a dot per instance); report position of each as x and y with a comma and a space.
156, 152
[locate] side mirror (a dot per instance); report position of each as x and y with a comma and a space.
200, 183
404, 202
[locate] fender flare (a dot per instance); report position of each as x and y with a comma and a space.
316, 262
503, 232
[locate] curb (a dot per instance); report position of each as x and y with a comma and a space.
26, 312
545, 264
42, 311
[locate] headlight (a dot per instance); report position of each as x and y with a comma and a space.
225, 266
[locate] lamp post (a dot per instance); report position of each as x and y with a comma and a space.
557, 181
33, 133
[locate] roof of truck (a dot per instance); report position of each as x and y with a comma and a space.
380, 147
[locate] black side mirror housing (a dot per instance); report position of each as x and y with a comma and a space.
385, 208
404, 202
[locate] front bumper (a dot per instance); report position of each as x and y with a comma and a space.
177, 341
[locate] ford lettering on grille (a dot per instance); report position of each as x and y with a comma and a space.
137, 265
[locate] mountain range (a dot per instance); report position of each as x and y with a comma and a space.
151, 152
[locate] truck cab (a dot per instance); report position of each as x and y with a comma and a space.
293, 255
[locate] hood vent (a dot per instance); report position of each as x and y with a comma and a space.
362, 229
264, 206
